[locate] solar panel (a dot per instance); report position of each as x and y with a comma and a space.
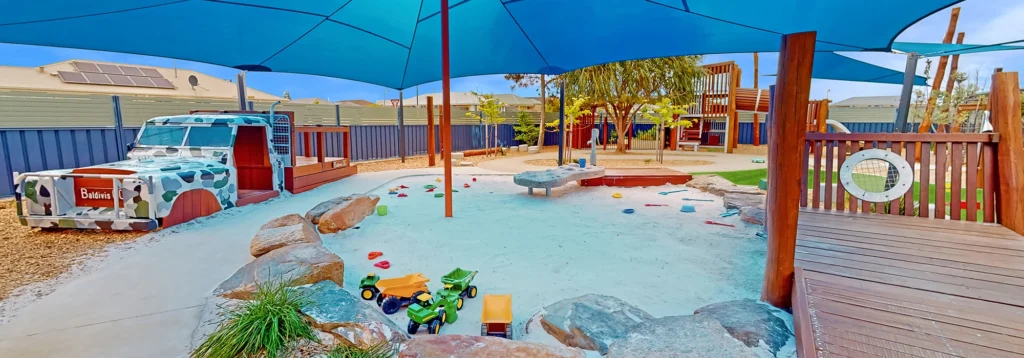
131, 70
162, 83
142, 81
86, 67
98, 78
121, 80
72, 77
150, 72
109, 69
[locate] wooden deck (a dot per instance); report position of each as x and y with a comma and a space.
873, 285
633, 177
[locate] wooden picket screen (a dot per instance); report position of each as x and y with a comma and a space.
966, 160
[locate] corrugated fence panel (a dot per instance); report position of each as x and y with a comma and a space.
40, 109
137, 110
35, 149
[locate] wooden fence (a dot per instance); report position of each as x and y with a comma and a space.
965, 161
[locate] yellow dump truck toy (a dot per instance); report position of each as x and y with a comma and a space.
496, 319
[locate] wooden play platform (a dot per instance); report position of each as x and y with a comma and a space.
870, 285
633, 177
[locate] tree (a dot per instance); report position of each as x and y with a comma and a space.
286, 95
665, 115
490, 108
525, 131
524, 81
574, 109
622, 88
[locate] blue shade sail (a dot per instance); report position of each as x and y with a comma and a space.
396, 43
832, 66
933, 50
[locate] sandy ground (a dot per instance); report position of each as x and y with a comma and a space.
627, 163
545, 249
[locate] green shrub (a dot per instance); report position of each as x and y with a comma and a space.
383, 349
650, 134
526, 131
267, 323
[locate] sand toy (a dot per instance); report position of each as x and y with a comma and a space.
393, 293
403, 187
457, 284
709, 222
438, 195
431, 311
373, 255
438, 180
465, 185
496, 319
730, 212
673, 191
655, 205
384, 264
617, 195
403, 195
382, 210
704, 200
688, 208
556, 177
628, 211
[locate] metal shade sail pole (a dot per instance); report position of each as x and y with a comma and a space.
561, 123
240, 79
446, 116
401, 126
908, 89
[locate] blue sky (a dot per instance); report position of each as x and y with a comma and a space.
984, 21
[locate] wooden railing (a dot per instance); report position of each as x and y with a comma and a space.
966, 161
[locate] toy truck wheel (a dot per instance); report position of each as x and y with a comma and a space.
508, 331
442, 315
391, 305
458, 304
434, 327
369, 293
413, 327
472, 291
380, 300
483, 329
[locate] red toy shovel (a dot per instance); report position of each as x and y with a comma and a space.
709, 222
374, 254
383, 264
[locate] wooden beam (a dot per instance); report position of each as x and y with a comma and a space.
757, 122
940, 72
430, 131
1006, 120
954, 65
446, 105
788, 129
732, 138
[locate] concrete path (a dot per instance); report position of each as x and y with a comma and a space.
148, 302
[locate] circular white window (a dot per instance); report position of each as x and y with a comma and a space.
876, 175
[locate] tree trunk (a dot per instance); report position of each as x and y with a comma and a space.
622, 126
543, 109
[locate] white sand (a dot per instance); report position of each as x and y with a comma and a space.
544, 249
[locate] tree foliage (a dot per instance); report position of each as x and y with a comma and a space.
623, 88
526, 131
490, 109
666, 111
523, 80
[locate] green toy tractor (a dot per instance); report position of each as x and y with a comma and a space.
431, 312
368, 286
457, 285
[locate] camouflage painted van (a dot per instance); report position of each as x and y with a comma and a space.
172, 157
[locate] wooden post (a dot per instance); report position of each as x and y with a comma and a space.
788, 129
446, 105
430, 131
732, 137
1006, 120
926, 121
757, 122
307, 144
954, 65
321, 148
822, 116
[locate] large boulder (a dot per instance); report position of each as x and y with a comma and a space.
591, 321
752, 215
287, 230
750, 322
298, 264
695, 336
348, 318
347, 214
739, 200
314, 214
462, 346
210, 319
722, 189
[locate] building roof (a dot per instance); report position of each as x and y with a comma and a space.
869, 101
310, 100
470, 99
45, 78
355, 103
